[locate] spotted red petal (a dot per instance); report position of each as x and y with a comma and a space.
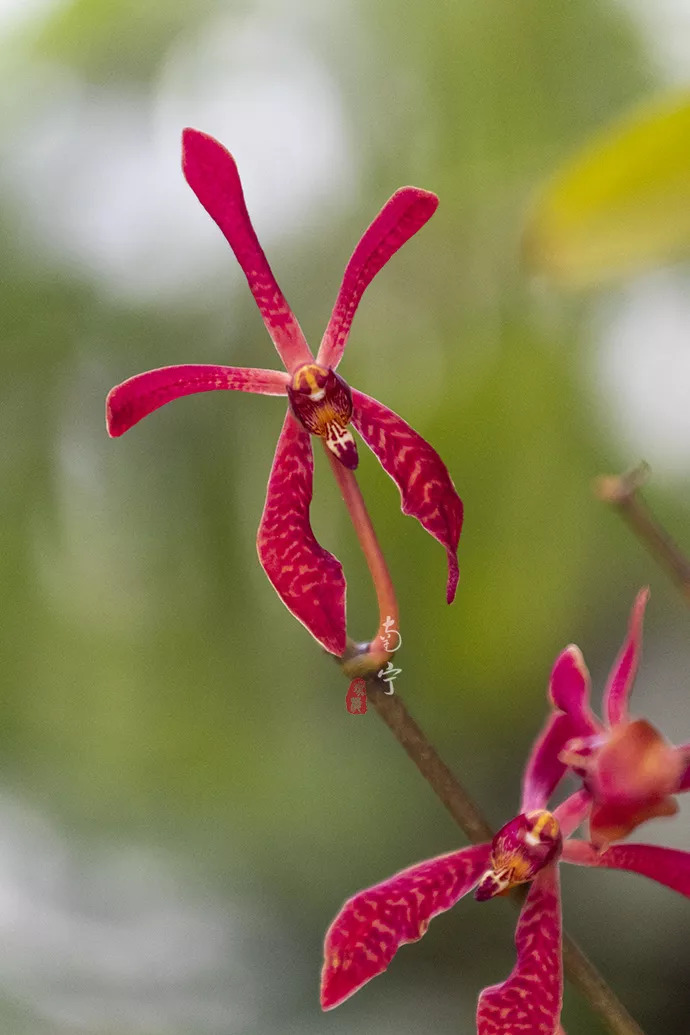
426, 489
134, 399
372, 926
210, 171
308, 579
623, 674
544, 769
667, 866
530, 1000
399, 219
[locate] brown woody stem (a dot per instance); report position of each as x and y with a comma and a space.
622, 492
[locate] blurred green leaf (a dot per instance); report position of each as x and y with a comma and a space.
115, 40
622, 203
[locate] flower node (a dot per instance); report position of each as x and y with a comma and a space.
519, 851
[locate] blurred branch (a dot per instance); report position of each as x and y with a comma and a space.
578, 969
622, 492
392, 710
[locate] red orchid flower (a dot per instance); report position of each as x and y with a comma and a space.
371, 927
308, 579
629, 768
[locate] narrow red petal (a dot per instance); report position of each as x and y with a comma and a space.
211, 172
530, 1000
134, 399
667, 866
426, 489
544, 769
569, 687
399, 219
622, 676
308, 579
371, 927
572, 812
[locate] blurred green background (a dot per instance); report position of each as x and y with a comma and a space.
185, 802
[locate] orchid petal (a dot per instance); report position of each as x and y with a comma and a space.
544, 769
624, 671
210, 171
635, 765
426, 489
572, 812
612, 821
569, 688
134, 399
668, 866
530, 1000
399, 219
685, 778
308, 579
371, 927
632, 778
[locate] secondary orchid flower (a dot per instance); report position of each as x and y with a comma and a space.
629, 768
308, 579
371, 927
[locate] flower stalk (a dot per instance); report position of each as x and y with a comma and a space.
376, 562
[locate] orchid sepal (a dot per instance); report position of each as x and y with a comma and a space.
668, 866
136, 398
211, 172
371, 926
620, 683
426, 489
530, 999
308, 579
401, 217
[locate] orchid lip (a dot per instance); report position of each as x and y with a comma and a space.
322, 402
520, 849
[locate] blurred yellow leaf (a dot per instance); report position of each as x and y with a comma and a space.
619, 205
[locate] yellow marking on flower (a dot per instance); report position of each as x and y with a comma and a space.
544, 822
310, 380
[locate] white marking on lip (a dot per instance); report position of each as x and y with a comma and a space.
317, 394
